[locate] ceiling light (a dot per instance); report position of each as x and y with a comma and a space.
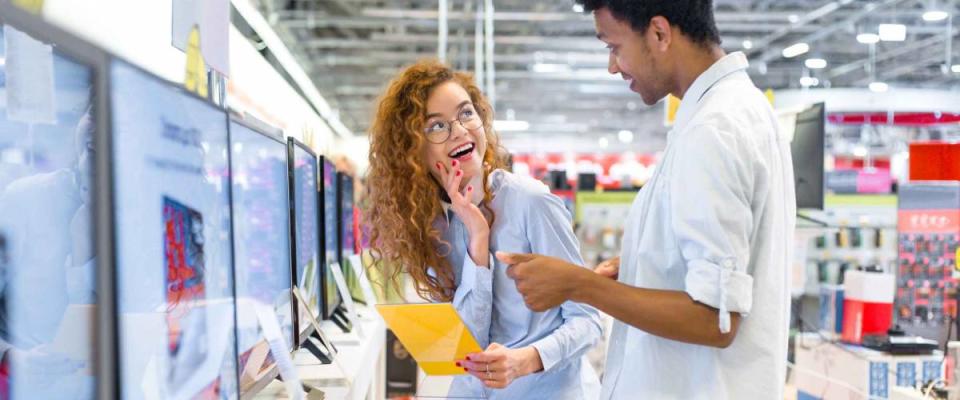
796, 50
603, 142
879, 87
893, 32
747, 44
542, 68
511, 126
793, 18
808, 81
816, 63
578, 8
868, 38
955, 68
625, 136
935, 15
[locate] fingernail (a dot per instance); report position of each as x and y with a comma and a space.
467, 370
438, 165
454, 163
468, 358
469, 188
458, 173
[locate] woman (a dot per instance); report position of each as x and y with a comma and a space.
440, 206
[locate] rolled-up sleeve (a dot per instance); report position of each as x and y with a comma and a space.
550, 233
710, 191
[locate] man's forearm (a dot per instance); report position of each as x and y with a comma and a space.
666, 313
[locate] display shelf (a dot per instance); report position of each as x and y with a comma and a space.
359, 371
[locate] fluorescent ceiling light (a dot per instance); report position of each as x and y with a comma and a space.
893, 32
796, 50
604, 142
542, 68
511, 126
625, 136
816, 63
868, 38
955, 68
808, 81
879, 87
747, 44
577, 8
935, 15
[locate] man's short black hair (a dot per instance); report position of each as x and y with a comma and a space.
693, 17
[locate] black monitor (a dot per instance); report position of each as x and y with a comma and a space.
174, 259
807, 149
55, 308
331, 237
262, 248
305, 214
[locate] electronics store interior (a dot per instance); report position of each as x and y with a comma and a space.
197, 199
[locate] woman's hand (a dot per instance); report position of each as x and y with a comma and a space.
498, 366
477, 227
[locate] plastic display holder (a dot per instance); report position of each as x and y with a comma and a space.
322, 348
350, 314
361, 272
317, 344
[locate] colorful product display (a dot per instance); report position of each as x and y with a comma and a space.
929, 234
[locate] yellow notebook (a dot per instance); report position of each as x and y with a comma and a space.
433, 333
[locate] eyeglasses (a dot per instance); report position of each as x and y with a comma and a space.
439, 131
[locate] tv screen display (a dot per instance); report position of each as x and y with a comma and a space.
807, 149
261, 245
306, 208
175, 283
48, 260
330, 236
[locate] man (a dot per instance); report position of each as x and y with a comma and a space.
702, 293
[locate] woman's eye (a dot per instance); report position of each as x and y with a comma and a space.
466, 113
437, 126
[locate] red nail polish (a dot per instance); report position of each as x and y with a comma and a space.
458, 364
468, 358
454, 163
469, 188
466, 370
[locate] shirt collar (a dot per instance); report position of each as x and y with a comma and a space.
724, 67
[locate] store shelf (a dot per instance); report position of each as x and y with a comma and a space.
360, 370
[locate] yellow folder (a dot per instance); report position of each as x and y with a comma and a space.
433, 333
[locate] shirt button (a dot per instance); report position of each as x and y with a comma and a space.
728, 264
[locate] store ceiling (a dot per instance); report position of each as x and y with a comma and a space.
352, 47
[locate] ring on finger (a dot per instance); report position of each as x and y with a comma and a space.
489, 376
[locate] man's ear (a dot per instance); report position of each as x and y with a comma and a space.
661, 32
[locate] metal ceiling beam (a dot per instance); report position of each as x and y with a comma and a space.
378, 23
824, 32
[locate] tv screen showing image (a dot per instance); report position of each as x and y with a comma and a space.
306, 220
807, 149
175, 281
261, 245
48, 253
331, 237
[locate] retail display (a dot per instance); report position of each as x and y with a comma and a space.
173, 251
331, 237
807, 149
929, 233
262, 244
50, 141
305, 214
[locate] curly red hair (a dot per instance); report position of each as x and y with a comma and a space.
404, 198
